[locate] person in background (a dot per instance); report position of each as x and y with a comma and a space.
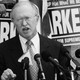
25, 16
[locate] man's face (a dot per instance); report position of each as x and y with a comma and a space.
25, 20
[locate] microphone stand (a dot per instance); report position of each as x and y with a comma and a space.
62, 72
41, 75
25, 74
72, 74
55, 75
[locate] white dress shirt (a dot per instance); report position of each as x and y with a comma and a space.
36, 47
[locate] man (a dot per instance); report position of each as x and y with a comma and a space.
25, 17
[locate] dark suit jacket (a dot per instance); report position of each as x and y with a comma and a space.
11, 51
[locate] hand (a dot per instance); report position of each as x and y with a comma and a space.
8, 74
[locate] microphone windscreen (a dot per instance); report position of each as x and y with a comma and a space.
25, 60
36, 56
45, 55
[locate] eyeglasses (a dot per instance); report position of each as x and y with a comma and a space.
27, 19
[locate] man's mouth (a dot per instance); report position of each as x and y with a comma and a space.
25, 29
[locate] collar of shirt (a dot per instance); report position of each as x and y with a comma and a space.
35, 40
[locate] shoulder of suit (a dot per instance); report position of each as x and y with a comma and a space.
8, 42
53, 41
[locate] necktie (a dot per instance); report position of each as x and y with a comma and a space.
33, 68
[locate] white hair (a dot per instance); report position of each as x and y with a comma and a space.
24, 2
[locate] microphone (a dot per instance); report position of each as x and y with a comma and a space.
25, 63
37, 59
68, 55
72, 60
48, 58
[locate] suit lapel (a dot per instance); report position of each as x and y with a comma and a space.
15, 49
43, 44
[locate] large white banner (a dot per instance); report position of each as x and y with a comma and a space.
65, 24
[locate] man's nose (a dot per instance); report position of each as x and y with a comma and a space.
24, 22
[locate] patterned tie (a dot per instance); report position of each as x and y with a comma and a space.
33, 68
